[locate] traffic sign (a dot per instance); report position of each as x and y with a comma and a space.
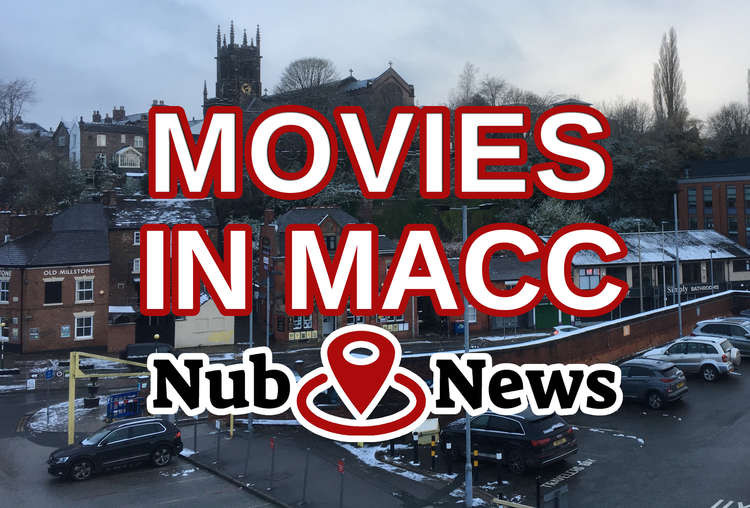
59, 373
49, 374
340, 466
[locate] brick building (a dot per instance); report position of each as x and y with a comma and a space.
316, 327
716, 195
54, 288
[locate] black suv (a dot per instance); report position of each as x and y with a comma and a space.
524, 439
126, 442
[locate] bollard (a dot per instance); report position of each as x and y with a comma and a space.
304, 480
415, 435
272, 443
475, 472
499, 457
195, 434
340, 469
538, 489
449, 457
218, 442
433, 454
247, 450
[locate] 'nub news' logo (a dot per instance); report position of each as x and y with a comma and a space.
466, 383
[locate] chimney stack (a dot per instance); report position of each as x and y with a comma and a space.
107, 118
118, 115
96, 117
267, 216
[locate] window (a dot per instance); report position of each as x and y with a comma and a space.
352, 319
746, 190
637, 371
695, 348
84, 290
84, 327
501, 424
101, 140
138, 142
331, 242
53, 292
731, 199
34, 333
691, 273
123, 138
480, 422
61, 141
136, 237
4, 291
302, 322
741, 265
718, 329
692, 200
471, 313
129, 159
588, 278
737, 331
732, 227
693, 222
708, 222
137, 265
708, 200
677, 349
118, 435
147, 430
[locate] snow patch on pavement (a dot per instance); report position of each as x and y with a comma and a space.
366, 455
58, 416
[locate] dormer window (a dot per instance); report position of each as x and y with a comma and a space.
331, 242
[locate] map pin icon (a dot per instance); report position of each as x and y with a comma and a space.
359, 379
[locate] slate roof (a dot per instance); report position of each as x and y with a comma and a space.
717, 168
694, 245
56, 248
116, 127
505, 268
313, 215
82, 217
134, 213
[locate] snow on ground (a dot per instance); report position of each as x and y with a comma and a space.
500, 338
12, 388
366, 455
641, 442
260, 421
58, 416
187, 452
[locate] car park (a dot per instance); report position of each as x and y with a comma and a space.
736, 329
525, 440
126, 442
708, 356
654, 382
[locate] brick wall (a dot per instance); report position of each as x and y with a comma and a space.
120, 336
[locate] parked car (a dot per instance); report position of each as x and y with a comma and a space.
526, 440
707, 356
736, 329
139, 352
125, 442
564, 329
653, 381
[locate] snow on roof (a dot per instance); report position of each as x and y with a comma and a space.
133, 213
694, 245
121, 309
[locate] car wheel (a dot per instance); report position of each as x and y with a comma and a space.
161, 456
709, 373
81, 470
655, 400
514, 462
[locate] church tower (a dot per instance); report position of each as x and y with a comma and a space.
237, 70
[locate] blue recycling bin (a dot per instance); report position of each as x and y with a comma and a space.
458, 327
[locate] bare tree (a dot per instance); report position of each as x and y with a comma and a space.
14, 95
729, 130
631, 117
668, 83
492, 90
466, 90
306, 73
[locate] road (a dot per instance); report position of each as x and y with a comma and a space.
24, 480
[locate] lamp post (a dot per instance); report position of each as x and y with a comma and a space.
677, 266
640, 266
156, 343
3, 340
663, 265
711, 253
468, 496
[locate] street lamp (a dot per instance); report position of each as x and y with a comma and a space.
156, 343
3, 340
468, 497
711, 253
663, 265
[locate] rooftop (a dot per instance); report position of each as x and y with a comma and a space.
313, 215
56, 248
134, 213
717, 168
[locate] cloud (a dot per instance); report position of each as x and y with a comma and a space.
86, 56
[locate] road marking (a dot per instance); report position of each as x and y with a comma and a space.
729, 504
21, 426
565, 475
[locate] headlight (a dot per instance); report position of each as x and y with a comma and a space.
61, 460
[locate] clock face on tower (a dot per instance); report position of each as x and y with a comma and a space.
246, 88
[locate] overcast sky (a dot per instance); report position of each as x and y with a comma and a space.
84, 56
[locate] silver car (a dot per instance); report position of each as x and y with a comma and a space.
736, 329
707, 356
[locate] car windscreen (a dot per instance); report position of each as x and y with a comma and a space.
726, 346
546, 425
94, 439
